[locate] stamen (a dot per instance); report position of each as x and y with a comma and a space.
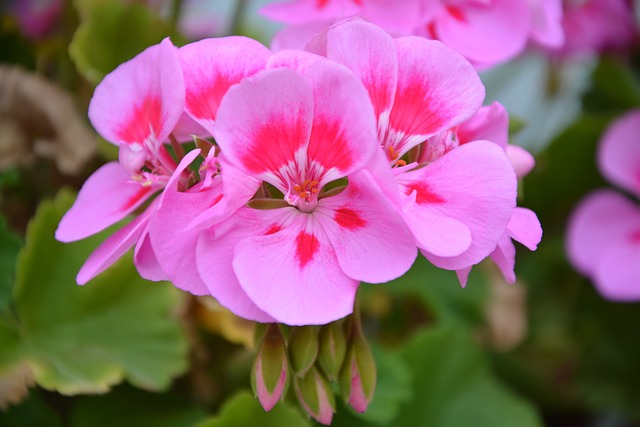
307, 189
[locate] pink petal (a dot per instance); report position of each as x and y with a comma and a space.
490, 123
370, 239
435, 232
169, 233
304, 11
104, 199
524, 227
297, 36
113, 248
486, 34
475, 185
214, 257
237, 189
547, 23
187, 128
142, 99
370, 53
437, 89
397, 17
146, 262
617, 272
619, 152
600, 219
211, 66
264, 121
463, 276
343, 136
505, 258
293, 273
299, 60
521, 160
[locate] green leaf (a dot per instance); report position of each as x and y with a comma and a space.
112, 33
243, 410
32, 412
441, 291
9, 246
86, 339
453, 386
129, 407
615, 87
565, 172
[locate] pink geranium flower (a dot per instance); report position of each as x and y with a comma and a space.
302, 126
457, 205
594, 26
485, 32
136, 107
603, 240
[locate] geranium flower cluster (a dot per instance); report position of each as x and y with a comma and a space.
312, 171
603, 240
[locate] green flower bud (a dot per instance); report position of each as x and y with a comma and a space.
303, 348
358, 375
333, 346
269, 376
315, 395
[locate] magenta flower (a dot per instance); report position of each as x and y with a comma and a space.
457, 205
594, 26
603, 240
36, 17
136, 107
300, 125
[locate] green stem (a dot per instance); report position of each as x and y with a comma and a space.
176, 9
237, 17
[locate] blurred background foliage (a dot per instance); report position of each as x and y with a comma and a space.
122, 351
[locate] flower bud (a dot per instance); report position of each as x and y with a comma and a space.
269, 377
333, 347
303, 348
358, 375
315, 395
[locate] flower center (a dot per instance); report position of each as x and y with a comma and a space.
304, 196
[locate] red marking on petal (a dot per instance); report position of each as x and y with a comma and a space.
203, 101
145, 116
321, 3
274, 145
358, 2
456, 13
306, 247
414, 112
424, 195
273, 229
216, 200
348, 218
329, 147
133, 200
635, 236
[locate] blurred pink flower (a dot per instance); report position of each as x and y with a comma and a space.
36, 17
603, 240
486, 32
594, 26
